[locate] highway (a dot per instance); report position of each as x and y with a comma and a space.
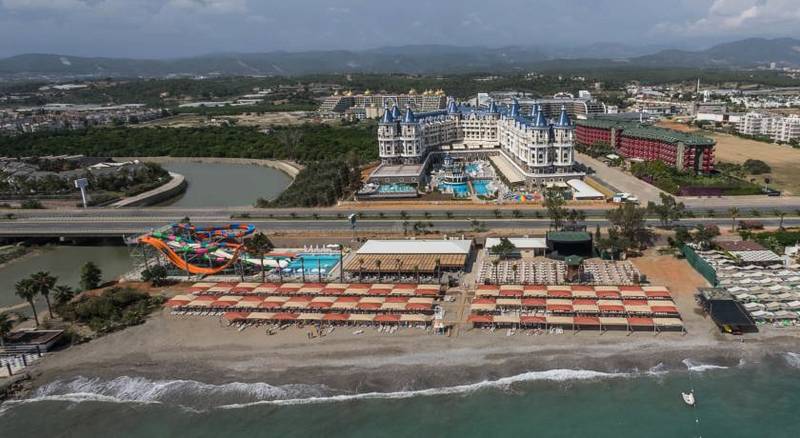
116, 226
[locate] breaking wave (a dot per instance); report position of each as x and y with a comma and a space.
792, 359
558, 375
198, 396
699, 367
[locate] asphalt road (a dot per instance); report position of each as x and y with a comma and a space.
118, 226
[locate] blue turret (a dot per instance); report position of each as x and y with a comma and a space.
534, 110
387, 115
452, 107
540, 121
492, 107
396, 112
409, 118
514, 109
563, 119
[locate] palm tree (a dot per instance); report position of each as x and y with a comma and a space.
44, 284
378, 266
438, 266
26, 289
63, 294
514, 270
780, 214
259, 245
733, 212
360, 270
5, 327
496, 262
416, 272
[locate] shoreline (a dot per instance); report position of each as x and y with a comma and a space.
409, 360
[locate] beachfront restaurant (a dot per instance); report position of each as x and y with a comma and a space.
575, 307
418, 261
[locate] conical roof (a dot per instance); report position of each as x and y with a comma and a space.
452, 107
492, 107
409, 117
387, 116
396, 112
563, 119
540, 121
514, 108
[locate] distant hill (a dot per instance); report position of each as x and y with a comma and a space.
745, 53
418, 59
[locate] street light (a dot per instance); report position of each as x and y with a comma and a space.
82, 183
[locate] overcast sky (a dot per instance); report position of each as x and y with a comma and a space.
173, 28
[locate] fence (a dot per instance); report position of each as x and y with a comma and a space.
700, 265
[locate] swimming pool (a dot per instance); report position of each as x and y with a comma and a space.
396, 188
471, 168
312, 262
459, 190
482, 187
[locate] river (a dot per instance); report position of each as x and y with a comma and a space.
210, 185
65, 263
226, 185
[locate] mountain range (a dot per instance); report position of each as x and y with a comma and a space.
419, 59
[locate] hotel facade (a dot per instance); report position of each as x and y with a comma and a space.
527, 149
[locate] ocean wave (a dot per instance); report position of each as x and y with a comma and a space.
659, 369
699, 367
557, 375
189, 394
792, 359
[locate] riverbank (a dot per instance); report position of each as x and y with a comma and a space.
290, 168
174, 187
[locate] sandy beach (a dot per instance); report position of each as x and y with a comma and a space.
193, 348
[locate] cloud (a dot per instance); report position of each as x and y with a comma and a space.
209, 6
740, 16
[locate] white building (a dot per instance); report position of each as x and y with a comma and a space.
539, 149
778, 128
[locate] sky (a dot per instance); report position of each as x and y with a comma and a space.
178, 28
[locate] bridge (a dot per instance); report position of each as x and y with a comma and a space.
118, 222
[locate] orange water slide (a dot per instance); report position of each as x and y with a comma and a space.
178, 261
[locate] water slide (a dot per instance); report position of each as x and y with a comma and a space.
178, 260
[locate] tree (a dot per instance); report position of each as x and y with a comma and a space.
91, 276
756, 167
668, 211
259, 246
5, 327
733, 212
378, 267
514, 268
26, 289
703, 235
156, 275
63, 294
554, 203
416, 272
44, 284
781, 214
504, 249
629, 227
360, 269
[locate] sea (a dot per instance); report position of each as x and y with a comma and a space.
745, 400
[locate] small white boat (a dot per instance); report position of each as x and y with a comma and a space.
688, 397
